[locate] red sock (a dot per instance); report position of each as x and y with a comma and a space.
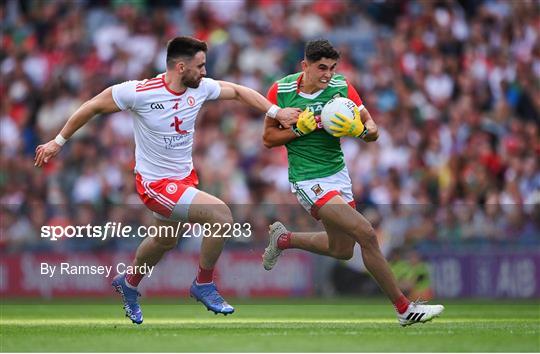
205, 276
401, 304
284, 241
134, 279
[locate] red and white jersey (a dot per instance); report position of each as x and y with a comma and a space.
164, 124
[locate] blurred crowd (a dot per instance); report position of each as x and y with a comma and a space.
453, 85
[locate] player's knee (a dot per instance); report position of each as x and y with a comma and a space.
365, 235
166, 243
222, 214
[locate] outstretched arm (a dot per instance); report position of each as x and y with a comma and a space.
102, 103
231, 91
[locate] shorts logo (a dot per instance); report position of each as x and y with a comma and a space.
171, 188
317, 189
191, 101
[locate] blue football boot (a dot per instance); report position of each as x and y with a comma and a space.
129, 297
210, 297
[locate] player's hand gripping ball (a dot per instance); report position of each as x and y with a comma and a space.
341, 117
306, 123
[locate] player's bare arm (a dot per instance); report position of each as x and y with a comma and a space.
275, 135
371, 126
102, 103
230, 91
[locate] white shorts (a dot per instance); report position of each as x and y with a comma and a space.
314, 193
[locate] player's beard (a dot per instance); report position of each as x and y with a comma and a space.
191, 82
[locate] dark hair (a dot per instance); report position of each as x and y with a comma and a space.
320, 48
184, 47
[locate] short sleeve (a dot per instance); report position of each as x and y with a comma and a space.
124, 94
354, 96
212, 88
272, 93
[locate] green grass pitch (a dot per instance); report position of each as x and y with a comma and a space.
268, 326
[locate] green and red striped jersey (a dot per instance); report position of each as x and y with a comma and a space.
317, 154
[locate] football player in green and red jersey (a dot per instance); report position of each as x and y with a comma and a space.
319, 177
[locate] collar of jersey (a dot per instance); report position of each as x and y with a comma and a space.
168, 89
309, 96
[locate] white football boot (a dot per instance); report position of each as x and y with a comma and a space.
419, 312
272, 252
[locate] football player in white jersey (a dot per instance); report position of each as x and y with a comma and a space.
164, 109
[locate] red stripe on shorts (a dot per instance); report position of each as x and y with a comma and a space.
322, 201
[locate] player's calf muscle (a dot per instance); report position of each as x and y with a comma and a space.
341, 246
343, 254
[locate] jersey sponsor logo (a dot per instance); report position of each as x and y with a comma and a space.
157, 106
176, 124
318, 120
317, 189
316, 108
182, 139
191, 101
171, 188
177, 142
